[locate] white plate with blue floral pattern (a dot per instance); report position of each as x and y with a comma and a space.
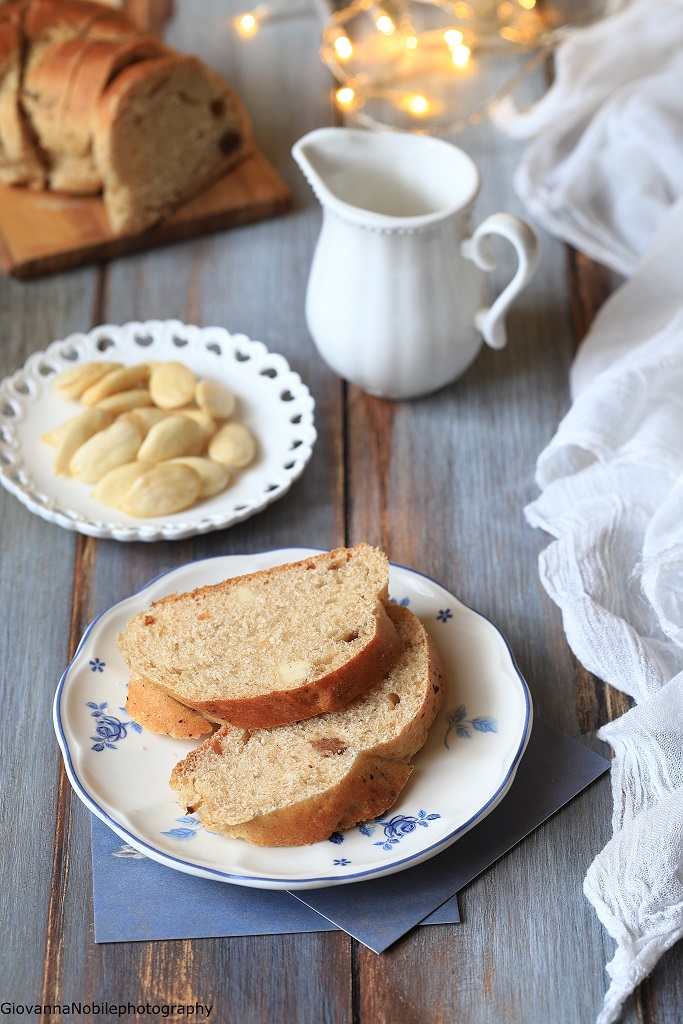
272, 401
460, 775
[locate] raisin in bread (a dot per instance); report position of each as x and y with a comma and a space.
299, 783
275, 646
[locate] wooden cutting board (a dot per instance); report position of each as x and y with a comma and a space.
41, 232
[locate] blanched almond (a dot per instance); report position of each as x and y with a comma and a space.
122, 401
171, 385
161, 491
114, 485
74, 433
233, 445
144, 417
206, 422
123, 379
72, 383
214, 477
171, 437
215, 399
245, 595
105, 450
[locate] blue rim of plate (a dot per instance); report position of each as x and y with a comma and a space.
191, 867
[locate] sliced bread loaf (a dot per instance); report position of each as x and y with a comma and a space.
275, 646
299, 783
163, 131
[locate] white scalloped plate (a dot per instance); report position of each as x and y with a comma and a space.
464, 770
272, 400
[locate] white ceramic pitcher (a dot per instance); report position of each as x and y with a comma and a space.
397, 298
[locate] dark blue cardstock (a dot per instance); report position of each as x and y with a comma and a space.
554, 769
137, 899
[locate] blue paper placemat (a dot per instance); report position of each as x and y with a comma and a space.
137, 899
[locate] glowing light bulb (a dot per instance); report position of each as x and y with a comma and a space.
461, 55
453, 37
411, 42
345, 96
385, 25
463, 10
343, 47
246, 24
528, 5
417, 104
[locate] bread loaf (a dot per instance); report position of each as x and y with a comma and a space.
299, 783
89, 103
272, 647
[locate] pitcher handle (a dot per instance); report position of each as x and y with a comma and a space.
490, 320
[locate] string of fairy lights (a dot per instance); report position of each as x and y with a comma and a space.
382, 49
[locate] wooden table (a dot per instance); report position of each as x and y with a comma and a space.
440, 484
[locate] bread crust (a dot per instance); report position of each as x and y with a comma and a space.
154, 710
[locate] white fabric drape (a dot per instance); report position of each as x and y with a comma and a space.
604, 171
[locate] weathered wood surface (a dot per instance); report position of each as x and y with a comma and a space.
441, 483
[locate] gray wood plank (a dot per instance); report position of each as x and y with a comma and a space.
36, 582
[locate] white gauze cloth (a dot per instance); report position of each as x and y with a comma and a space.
605, 173
612, 495
606, 159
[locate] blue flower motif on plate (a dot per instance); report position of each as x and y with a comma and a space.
401, 825
341, 863
109, 729
96, 665
190, 827
336, 837
457, 719
444, 614
404, 602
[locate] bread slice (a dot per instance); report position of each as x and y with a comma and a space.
21, 161
57, 35
299, 783
164, 130
99, 61
275, 646
153, 709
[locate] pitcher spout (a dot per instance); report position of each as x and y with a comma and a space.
382, 180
